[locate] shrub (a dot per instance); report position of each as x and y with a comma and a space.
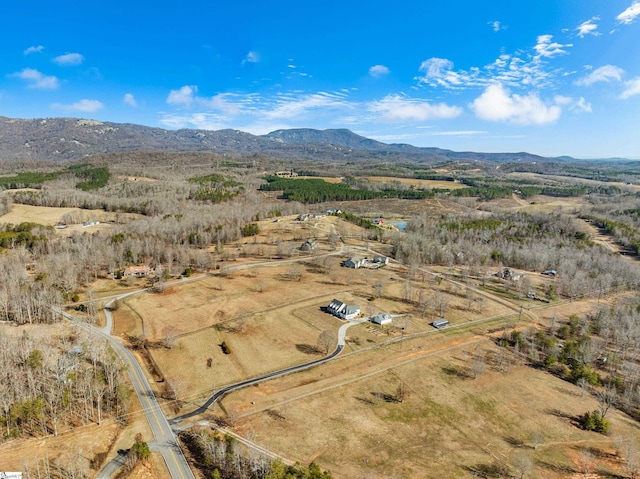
593, 421
251, 229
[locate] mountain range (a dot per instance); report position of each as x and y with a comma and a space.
67, 139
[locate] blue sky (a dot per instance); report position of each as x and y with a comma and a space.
549, 77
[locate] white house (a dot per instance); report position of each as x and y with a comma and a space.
354, 262
351, 312
342, 310
382, 319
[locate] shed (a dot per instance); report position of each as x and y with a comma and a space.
382, 319
440, 323
380, 259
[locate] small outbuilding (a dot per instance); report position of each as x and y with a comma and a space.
382, 319
380, 260
308, 245
550, 272
440, 323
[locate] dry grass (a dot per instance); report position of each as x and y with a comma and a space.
450, 425
418, 183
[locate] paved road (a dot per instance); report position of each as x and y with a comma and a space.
164, 441
342, 333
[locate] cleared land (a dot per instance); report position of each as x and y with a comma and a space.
449, 426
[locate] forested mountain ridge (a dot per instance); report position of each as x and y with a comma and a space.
65, 139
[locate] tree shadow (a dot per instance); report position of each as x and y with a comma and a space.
365, 400
495, 469
515, 442
385, 397
456, 371
308, 349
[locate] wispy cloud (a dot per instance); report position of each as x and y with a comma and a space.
130, 100
252, 57
84, 106
378, 70
440, 72
496, 26
547, 48
605, 73
498, 104
36, 79
36, 49
630, 14
400, 108
518, 70
581, 106
69, 59
632, 88
588, 28
295, 105
457, 133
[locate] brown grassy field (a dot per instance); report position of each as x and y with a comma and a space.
418, 183
450, 425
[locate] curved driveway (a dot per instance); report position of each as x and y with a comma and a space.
342, 333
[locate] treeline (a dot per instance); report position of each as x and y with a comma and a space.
313, 190
598, 352
223, 457
532, 242
494, 189
215, 188
24, 234
49, 384
93, 177
620, 219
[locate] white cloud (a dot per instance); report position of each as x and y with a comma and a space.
547, 48
252, 57
632, 88
517, 70
130, 100
588, 28
378, 70
31, 50
69, 59
184, 96
498, 104
496, 26
38, 80
439, 72
581, 105
605, 73
85, 106
401, 108
630, 14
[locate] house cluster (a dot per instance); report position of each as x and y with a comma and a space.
343, 310
286, 174
359, 262
137, 271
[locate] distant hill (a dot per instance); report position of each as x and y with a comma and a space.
65, 139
